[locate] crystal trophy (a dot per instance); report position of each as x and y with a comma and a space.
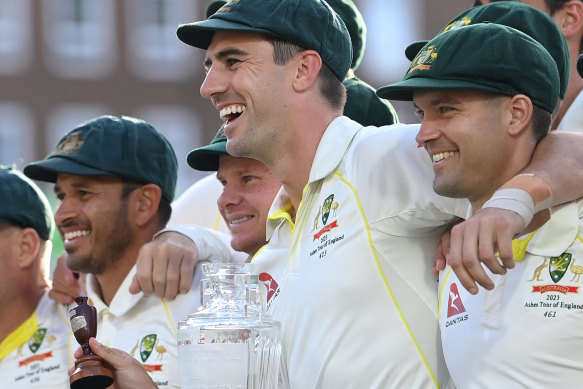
229, 342
91, 371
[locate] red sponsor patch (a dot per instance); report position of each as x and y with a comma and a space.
454, 303
327, 228
34, 358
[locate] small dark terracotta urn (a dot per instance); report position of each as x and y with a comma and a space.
91, 372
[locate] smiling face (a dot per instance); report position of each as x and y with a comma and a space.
464, 133
92, 219
248, 90
248, 192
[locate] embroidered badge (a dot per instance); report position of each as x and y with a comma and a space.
458, 23
424, 59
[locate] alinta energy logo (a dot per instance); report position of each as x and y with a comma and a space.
455, 307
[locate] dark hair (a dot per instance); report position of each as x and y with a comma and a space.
541, 122
332, 89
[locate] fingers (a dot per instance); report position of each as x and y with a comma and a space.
61, 298
135, 286
144, 265
187, 269
66, 284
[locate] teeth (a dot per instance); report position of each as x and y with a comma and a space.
440, 156
75, 234
233, 109
240, 220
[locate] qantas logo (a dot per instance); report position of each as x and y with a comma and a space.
271, 285
455, 307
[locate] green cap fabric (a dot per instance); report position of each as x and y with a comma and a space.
484, 57
580, 65
365, 107
311, 24
214, 7
522, 17
206, 158
356, 26
23, 204
116, 146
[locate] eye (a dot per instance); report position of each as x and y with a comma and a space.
419, 113
231, 62
248, 178
445, 109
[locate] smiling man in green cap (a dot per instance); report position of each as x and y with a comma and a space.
34, 331
485, 94
274, 73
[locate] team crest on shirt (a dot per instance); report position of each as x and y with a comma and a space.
458, 23
424, 59
323, 232
147, 346
325, 211
36, 340
557, 268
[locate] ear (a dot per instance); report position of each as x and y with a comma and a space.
569, 18
27, 244
309, 64
146, 201
521, 109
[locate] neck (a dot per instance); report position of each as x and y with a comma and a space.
573, 90
19, 306
111, 279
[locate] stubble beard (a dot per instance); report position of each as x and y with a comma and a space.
115, 244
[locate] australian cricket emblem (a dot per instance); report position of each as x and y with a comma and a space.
36, 340
558, 266
147, 345
424, 59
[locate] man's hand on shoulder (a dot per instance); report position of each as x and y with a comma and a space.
166, 265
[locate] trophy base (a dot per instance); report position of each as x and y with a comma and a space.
90, 373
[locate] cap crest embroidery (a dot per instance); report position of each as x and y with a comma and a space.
70, 145
424, 59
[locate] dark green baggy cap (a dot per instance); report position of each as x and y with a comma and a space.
523, 17
311, 24
206, 158
485, 57
23, 204
365, 107
116, 146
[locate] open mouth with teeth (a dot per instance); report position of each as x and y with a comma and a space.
441, 156
75, 234
231, 113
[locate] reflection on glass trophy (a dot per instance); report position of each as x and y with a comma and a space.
230, 342
91, 371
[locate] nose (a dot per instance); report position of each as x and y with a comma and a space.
64, 212
215, 83
229, 197
427, 132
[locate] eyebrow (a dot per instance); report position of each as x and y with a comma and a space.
443, 99
225, 53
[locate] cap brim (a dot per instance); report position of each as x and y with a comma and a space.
200, 34
403, 91
413, 49
206, 158
48, 169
